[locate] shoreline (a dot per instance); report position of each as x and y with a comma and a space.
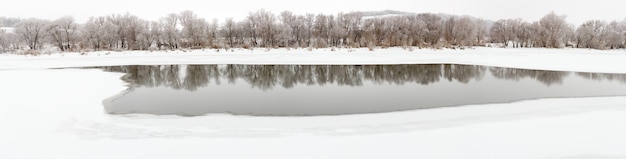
576, 60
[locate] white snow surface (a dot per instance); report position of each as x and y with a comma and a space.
57, 113
582, 60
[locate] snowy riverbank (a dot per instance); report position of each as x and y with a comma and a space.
582, 60
58, 113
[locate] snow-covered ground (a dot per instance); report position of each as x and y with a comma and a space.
57, 113
583, 60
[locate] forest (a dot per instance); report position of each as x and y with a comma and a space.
264, 29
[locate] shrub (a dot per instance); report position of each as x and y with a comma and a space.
246, 46
31, 52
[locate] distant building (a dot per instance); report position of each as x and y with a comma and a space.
8, 29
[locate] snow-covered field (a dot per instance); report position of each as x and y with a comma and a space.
583, 60
57, 113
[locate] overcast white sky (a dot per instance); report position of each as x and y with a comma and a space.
577, 11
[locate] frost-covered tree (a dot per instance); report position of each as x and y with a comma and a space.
9, 40
147, 34
125, 30
553, 30
296, 26
156, 32
252, 29
449, 33
460, 31
355, 20
32, 32
284, 35
309, 27
268, 28
417, 31
171, 32
592, 34
336, 32
118, 31
622, 32
62, 33
96, 33
501, 32
9, 21
264, 29
615, 35
482, 30
290, 23
523, 34
136, 27
320, 30
4, 41
348, 28
229, 31
194, 30
399, 31
212, 33
516, 32
433, 28
373, 32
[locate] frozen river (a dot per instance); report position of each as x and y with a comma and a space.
59, 113
311, 90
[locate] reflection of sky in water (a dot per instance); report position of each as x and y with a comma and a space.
332, 90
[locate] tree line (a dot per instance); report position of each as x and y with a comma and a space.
262, 28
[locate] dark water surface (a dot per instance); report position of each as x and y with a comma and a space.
307, 90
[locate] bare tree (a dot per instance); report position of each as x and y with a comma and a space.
171, 33
434, 27
592, 34
96, 33
524, 34
369, 37
501, 32
147, 34
449, 33
251, 26
465, 30
194, 30
336, 30
212, 31
267, 27
553, 30
309, 24
417, 31
320, 30
62, 32
32, 32
157, 33
4, 41
482, 30
291, 25
515, 31
622, 32
118, 34
354, 27
229, 31
135, 27
615, 35
55, 36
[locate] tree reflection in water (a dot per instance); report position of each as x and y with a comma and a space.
266, 77
545, 77
603, 76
